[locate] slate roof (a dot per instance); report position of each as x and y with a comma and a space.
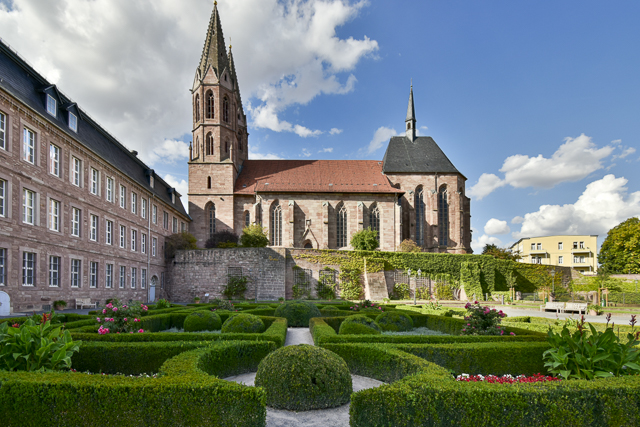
24, 83
313, 176
420, 156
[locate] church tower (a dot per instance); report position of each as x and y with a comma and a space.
220, 139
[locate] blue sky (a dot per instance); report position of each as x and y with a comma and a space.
535, 102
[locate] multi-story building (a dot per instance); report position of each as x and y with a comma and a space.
81, 216
577, 252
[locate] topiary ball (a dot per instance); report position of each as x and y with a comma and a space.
297, 313
371, 310
243, 323
394, 321
330, 308
202, 321
359, 324
303, 377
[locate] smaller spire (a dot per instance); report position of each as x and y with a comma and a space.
410, 121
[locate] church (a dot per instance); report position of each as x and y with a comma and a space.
415, 192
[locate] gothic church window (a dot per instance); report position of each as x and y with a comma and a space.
443, 216
276, 225
419, 205
225, 109
247, 219
208, 182
374, 219
209, 102
197, 107
212, 219
341, 223
209, 144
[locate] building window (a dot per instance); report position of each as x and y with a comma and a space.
123, 241
76, 268
134, 203
151, 181
52, 105
276, 225
134, 240
174, 224
123, 276
3, 131
165, 220
209, 182
209, 145
420, 218
374, 220
144, 207
575, 245
539, 246
3, 198
3, 268
225, 109
533, 246
75, 222
183, 227
76, 173
95, 181
73, 122
247, 219
560, 259
54, 271
212, 220
209, 101
93, 274
28, 146
93, 234
143, 278
134, 272
578, 259
154, 246
123, 197
197, 107
154, 216
108, 235
108, 276
581, 245
54, 160
28, 269
341, 225
54, 215
143, 243
443, 217
28, 206
110, 190
560, 246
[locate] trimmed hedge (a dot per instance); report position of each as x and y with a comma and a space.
359, 324
394, 321
297, 313
202, 321
243, 323
304, 377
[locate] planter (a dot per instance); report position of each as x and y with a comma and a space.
58, 307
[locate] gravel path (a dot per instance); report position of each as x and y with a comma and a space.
334, 417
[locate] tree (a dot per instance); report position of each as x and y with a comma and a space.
222, 237
500, 253
409, 245
179, 242
365, 240
254, 236
620, 251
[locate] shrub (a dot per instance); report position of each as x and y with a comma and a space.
408, 245
254, 236
330, 308
32, 347
117, 317
162, 303
202, 321
243, 323
359, 324
297, 313
401, 291
304, 377
482, 320
236, 286
394, 321
226, 236
350, 284
221, 304
179, 242
365, 240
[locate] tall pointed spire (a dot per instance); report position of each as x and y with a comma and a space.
214, 53
411, 117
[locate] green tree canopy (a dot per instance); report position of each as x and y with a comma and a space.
620, 252
365, 240
500, 253
254, 236
179, 242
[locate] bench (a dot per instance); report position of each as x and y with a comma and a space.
580, 307
557, 306
85, 302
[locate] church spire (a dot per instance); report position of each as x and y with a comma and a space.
214, 53
411, 117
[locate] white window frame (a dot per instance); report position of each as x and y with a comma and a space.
3, 267
123, 237
29, 269
76, 219
560, 246
134, 240
165, 220
108, 276
143, 243
134, 203
76, 171
122, 279
75, 271
93, 274
28, 206
581, 246
109, 189
174, 225
143, 207
3, 131
54, 160
134, 278
108, 233
560, 259
154, 216
143, 278
54, 271
52, 105
154, 246
123, 196
4, 185
54, 215
29, 146
73, 122
93, 227
95, 181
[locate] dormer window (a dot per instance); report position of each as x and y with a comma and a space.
73, 122
52, 105
151, 181
173, 198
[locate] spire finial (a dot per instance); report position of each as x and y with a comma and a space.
215, 3
411, 117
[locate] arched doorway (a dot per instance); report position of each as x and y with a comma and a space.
5, 304
152, 289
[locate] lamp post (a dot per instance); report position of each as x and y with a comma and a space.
409, 278
415, 292
553, 282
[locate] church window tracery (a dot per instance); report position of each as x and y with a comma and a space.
247, 219
209, 101
212, 219
209, 144
225, 109
197, 107
276, 225
341, 223
419, 205
374, 219
443, 216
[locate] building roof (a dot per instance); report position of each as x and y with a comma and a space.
19, 79
313, 176
420, 156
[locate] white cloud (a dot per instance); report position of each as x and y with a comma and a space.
326, 150
306, 153
517, 220
574, 160
380, 136
627, 151
181, 186
170, 151
255, 155
478, 244
335, 131
495, 226
603, 205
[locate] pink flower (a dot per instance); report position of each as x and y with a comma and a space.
476, 302
104, 311
140, 331
125, 319
115, 308
512, 334
135, 320
98, 319
501, 332
109, 305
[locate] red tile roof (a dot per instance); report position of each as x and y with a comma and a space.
313, 176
